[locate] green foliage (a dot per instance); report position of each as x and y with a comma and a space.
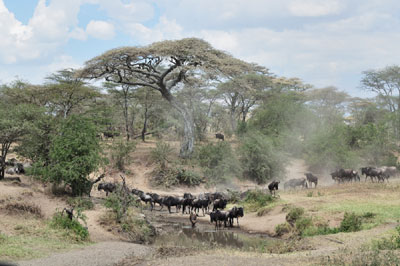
261, 161
329, 148
282, 229
74, 154
350, 223
160, 154
73, 229
218, 161
389, 243
257, 199
302, 223
294, 214
173, 176
121, 153
120, 201
81, 203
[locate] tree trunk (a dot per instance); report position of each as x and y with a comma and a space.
187, 145
144, 125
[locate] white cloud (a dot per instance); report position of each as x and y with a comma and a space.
100, 29
165, 29
314, 8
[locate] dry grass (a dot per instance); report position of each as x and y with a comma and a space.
22, 208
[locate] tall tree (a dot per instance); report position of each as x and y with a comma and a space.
68, 92
166, 66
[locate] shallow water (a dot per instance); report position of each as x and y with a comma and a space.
196, 237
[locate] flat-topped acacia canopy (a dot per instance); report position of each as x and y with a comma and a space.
162, 66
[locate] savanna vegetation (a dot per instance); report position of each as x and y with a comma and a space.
186, 91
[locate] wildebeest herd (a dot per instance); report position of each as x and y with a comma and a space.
188, 204
378, 174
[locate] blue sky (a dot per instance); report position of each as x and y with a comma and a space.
323, 42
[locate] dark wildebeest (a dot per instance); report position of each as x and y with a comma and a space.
146, 198
372, 172
200, 203
235, 212
157, 199
107, 187
218, 216
187, 202
292, 183
220, 136
311, 179
273, 187
343, 175
170, 201
219, 204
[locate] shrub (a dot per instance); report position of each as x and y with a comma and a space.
260, 159
72, 227
350, 223
257, 199
294, 214
218, 161
23, 208
120, 153
388, 243
74, 154
302, 224
170, 176
160, 154
81, 203
282, 229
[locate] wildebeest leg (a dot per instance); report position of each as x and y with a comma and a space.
169, 208
202, 208
237, 219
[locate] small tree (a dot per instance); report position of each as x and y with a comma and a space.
74, 154
15, 121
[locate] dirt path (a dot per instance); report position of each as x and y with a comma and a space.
101, 254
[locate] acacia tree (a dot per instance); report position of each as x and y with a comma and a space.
67, 92
166, 66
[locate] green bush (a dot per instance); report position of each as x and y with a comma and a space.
121, 153
160, 154
173, 176
282, 229
81, 203
350, 223
257, 199
260, 159
72, 227
302, 224
119, 202
75, 152
388, 243
294, 214
218, 161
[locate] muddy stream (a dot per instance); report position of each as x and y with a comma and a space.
174, 230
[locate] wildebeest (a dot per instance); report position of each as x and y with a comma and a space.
200, 203
372, 172
170, 201
157, 199
235, 212
311, 179
218, 216
273, 187
219, 204
343, 175
389, 171
107, 187
297, 182
220, 136
146, 198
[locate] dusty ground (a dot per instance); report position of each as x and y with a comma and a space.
328, 202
